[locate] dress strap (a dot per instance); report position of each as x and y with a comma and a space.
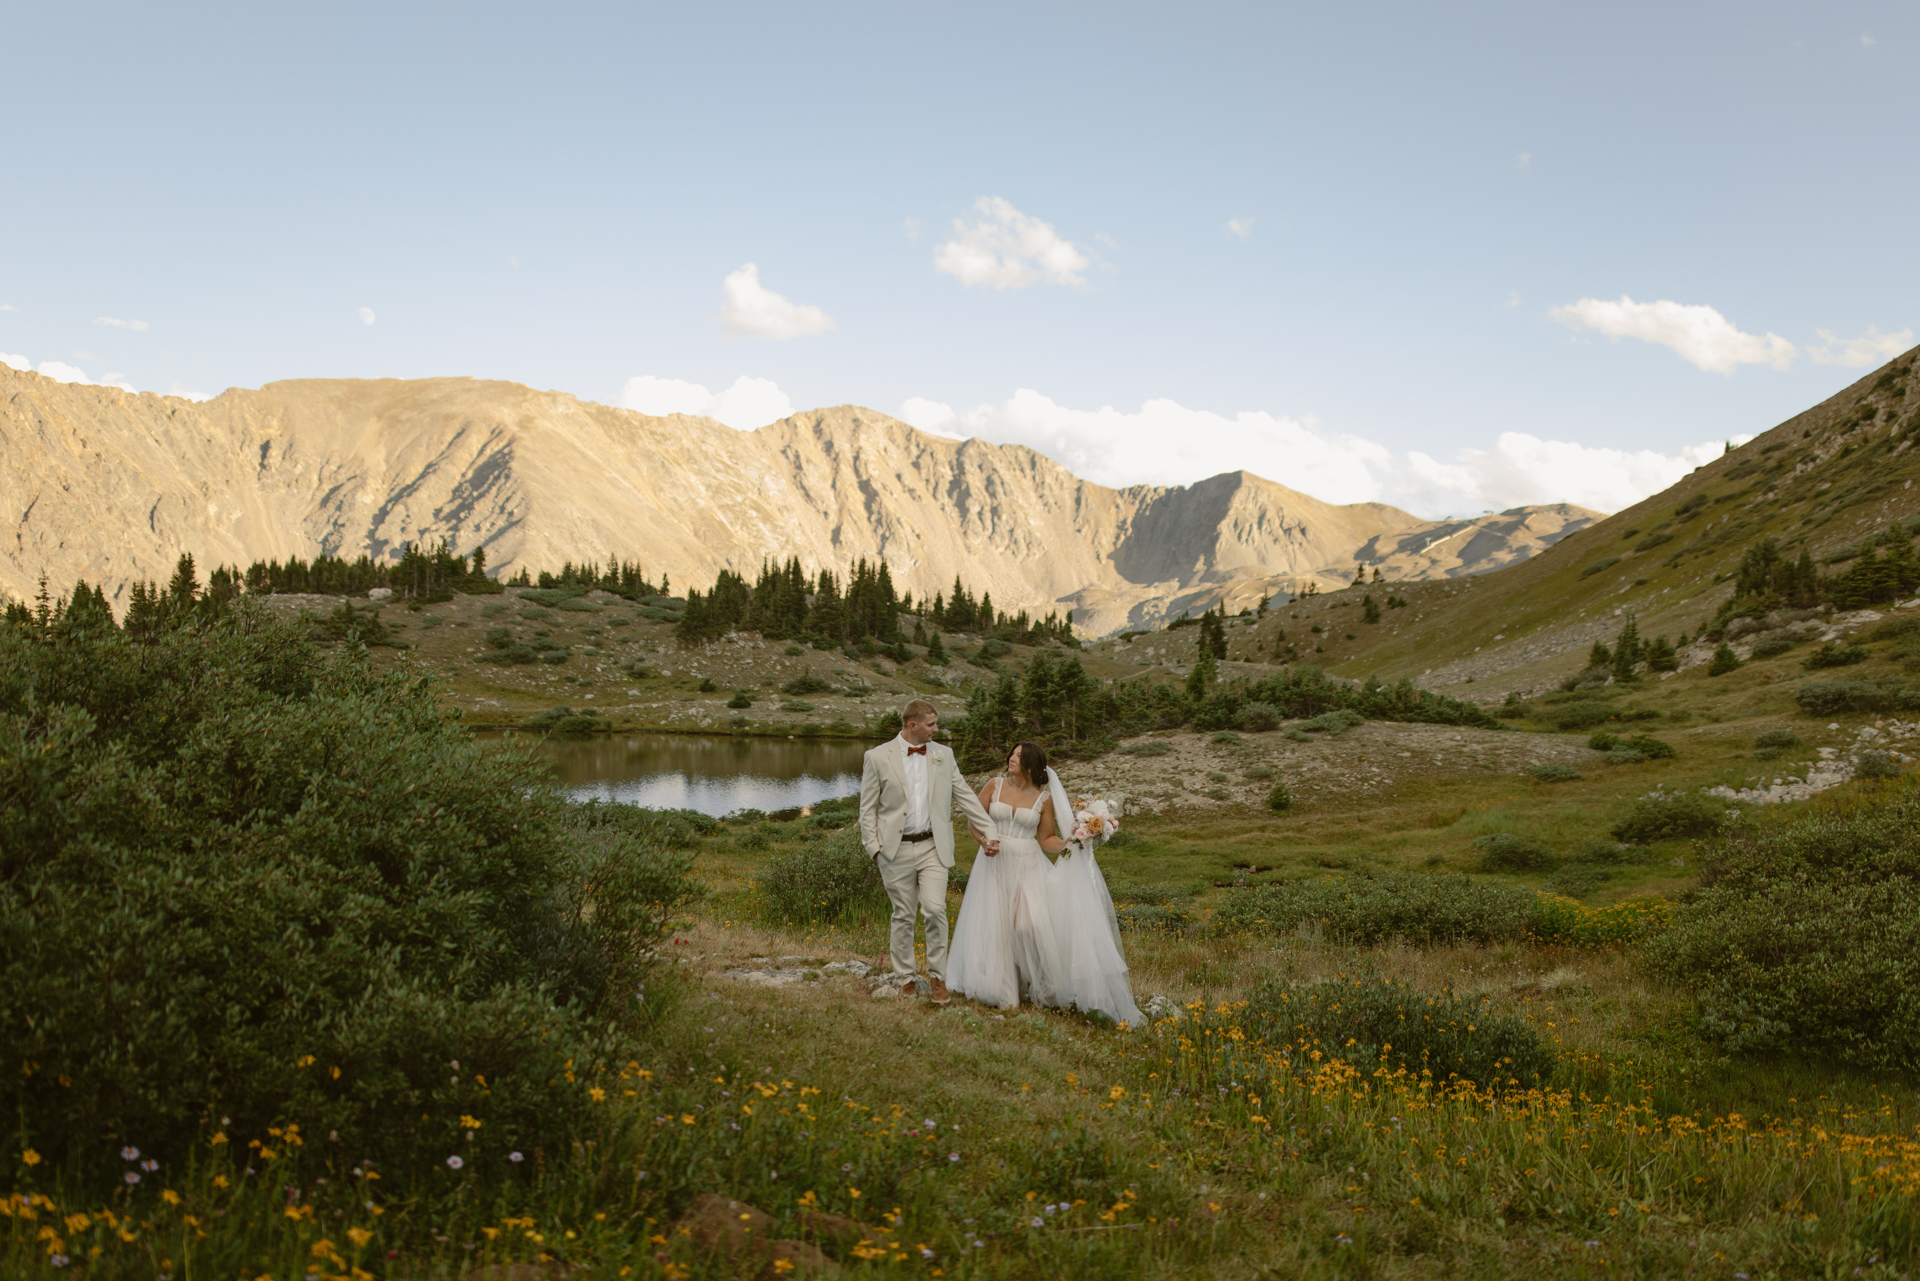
996, 788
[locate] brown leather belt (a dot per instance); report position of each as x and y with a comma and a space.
912, 837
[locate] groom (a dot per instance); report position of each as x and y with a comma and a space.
908, 788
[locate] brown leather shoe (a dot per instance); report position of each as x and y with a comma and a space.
939, 995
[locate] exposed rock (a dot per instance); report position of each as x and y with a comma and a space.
772, 978
734, 1228
892, 985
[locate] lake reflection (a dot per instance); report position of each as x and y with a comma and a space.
709, 773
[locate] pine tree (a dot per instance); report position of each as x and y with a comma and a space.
1661, 656
185, 585
1627, 651
1370, 609
1599, 655
1724, 661
1202, 677
936, 652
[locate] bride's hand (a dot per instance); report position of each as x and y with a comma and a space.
991, 847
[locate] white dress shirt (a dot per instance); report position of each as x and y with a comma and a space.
919, 818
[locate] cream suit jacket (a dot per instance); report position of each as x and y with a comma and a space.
883, 800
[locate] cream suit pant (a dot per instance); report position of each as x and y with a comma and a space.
916, 880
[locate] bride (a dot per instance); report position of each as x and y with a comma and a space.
1030, 930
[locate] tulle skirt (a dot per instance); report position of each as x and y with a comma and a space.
1005, 947
1093, 966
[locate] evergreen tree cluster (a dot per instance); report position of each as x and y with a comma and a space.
1768, 579
418, 573
785, 603
1059, 705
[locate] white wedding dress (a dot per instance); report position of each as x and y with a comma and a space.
1039, 932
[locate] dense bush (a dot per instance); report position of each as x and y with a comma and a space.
1279, 799
1769, 646
804, 684
241, 878
1420, 909
1829, 698
831, 881
1806, 935
1834, 655
1555, 772
1380, 1022
1257, 718
1505, 852
1668, 817
1337, 721
1776, 738
1877, 765
1147, 747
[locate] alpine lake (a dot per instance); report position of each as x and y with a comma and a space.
713, 774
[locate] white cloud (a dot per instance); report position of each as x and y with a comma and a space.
7, 306
912, 226
1523, 161
1867, 41
185, 394
1007, 249
747, 404
366, 315
1697, 332
1241, 227
1870, 350
1167, 443
754, 311
114, 322
15, 362
1522, 469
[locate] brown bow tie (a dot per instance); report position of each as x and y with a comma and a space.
917, 751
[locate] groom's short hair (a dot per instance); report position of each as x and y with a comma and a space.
917, 709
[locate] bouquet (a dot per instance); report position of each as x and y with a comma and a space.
1094, 822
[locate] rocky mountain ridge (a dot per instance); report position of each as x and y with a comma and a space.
112, 486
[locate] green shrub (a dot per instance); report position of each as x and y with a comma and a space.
1279, 800
1257, 718
804, 684
1599, 565
1768, 753
1574, 717
1772, 645
707, 686
1225, 738
291, 863
1337, 721
1829, 698
1650, 748
1605, 741
795, 705
1147, 747
1805, 936
828, 882
1258, 774
577, 605
1665, 818
1620, 754
741, 698
1724, 661
1381, 1022
1578, 880
555, 657
1597, 851
564, 722
499, 637
1421, 909
1653, 540
1506, 852
1834, 655
1877, 765
1555, 772
1777, 738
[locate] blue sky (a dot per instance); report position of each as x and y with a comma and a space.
1453, 257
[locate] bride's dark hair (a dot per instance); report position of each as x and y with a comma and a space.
1033, 759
